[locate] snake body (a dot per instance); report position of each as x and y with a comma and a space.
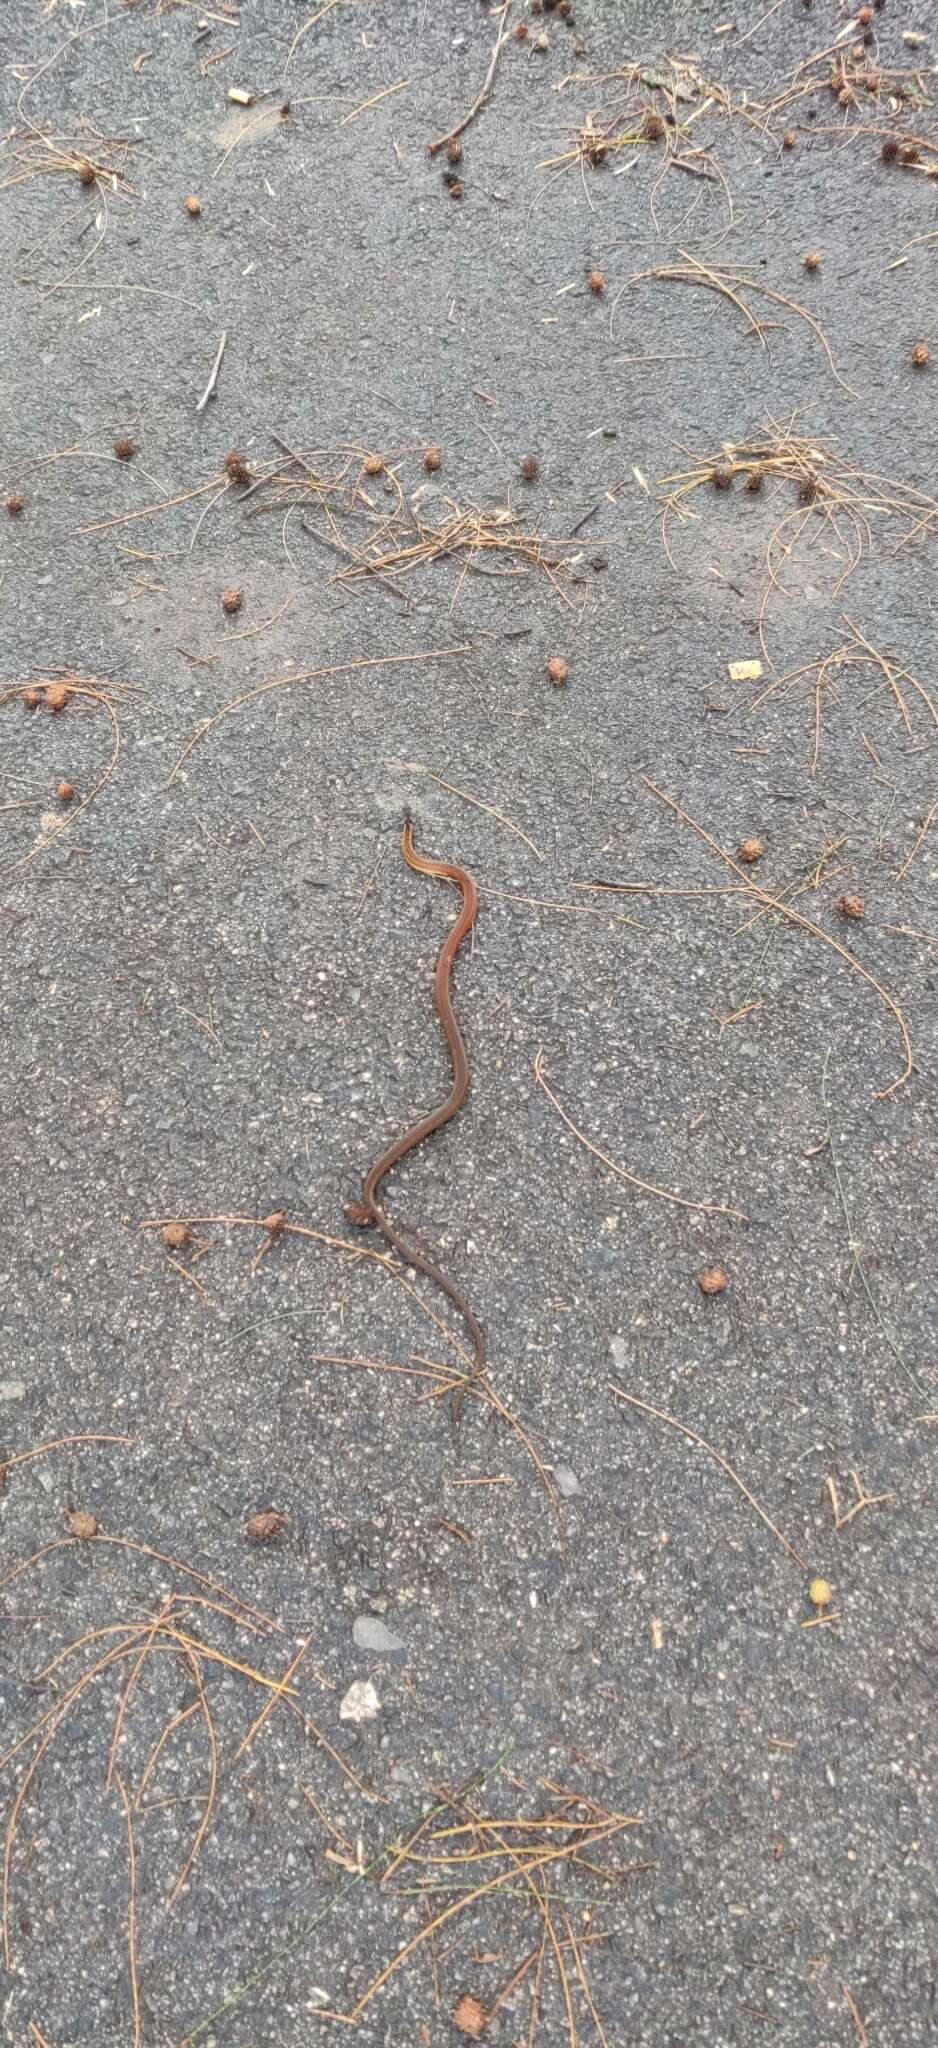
369, 1210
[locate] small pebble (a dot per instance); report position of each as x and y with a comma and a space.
368, 1633
12, 1390
361, 1703
566, 1482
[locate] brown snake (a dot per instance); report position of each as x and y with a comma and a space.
368, 1211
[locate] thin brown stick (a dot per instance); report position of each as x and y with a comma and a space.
433, 148
645, 1187
143, 1550
131, 1909
806, 923
60, 1443
165, 505
304, 28
660, 1416
310, 675
863, 1500
862, 2034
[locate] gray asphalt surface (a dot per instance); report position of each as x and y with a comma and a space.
217, 1002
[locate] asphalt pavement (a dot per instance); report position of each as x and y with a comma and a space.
691, 1194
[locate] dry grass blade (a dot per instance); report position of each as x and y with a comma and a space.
645, 1187
806, 924
692, 1436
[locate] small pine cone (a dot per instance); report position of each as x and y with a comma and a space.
232, 599
852, 906
193, 205
176, 1236
751, 850
712, 1281
266, 1526
470, 2016
433, 459
557, 671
